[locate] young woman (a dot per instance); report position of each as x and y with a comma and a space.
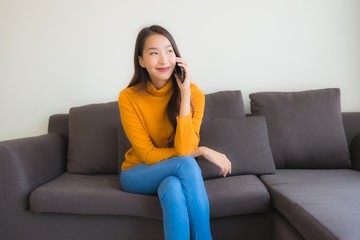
161, 116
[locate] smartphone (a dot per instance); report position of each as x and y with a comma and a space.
180, 72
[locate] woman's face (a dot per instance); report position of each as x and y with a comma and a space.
158, 57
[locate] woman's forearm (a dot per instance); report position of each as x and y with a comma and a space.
215, 157
185, 108
199, 151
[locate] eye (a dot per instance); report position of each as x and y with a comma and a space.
153, 53
171, 51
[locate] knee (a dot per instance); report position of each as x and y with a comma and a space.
190, 165
170, 191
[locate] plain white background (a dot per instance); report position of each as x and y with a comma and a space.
56, 54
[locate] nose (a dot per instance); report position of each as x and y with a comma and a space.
163, 58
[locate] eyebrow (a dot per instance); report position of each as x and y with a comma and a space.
153, 48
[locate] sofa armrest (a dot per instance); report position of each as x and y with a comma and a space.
355, 152
26, 164
59, 124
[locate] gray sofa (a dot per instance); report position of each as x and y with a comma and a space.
292, 176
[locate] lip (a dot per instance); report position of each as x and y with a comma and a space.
163, 69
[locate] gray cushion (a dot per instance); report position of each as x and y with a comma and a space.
101, 195
305, 128
320, 204
93, 139
243, 141
224, 104
236, 195
92, 194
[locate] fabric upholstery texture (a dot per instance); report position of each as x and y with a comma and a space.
320, 204
244, 141
92, 194
59, 124
101, 195
282, 229
305, 128
224, 104
237, 195
355, 152
93, 139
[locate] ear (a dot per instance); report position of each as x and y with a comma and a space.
141, 62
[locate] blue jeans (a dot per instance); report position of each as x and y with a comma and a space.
180, 187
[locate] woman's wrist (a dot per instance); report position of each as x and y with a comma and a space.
185, 92
199, 151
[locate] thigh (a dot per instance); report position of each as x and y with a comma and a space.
145, 179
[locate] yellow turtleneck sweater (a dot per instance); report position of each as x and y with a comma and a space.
144, 118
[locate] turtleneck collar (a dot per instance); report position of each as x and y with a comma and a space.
165, 90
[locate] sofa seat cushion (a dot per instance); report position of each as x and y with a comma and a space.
320, 204
92, 194
236, 195
101, 195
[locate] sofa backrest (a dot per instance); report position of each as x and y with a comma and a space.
97, 141
59, 124
351, 121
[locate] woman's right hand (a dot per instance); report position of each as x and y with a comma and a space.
217, 158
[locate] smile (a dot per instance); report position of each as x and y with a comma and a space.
165, 69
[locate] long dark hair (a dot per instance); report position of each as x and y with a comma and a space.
141, 76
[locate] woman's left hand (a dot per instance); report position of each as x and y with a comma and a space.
186, 84
217, 158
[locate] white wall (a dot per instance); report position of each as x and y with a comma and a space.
55, 54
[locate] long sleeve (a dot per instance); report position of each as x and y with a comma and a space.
144, 118
187, 135
138, 135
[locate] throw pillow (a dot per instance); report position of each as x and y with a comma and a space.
224, 104
305, 128
244, 142
93, 139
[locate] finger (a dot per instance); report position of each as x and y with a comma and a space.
223, 168
180, 61
182, 64
224, 171
177, 79
228, 164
